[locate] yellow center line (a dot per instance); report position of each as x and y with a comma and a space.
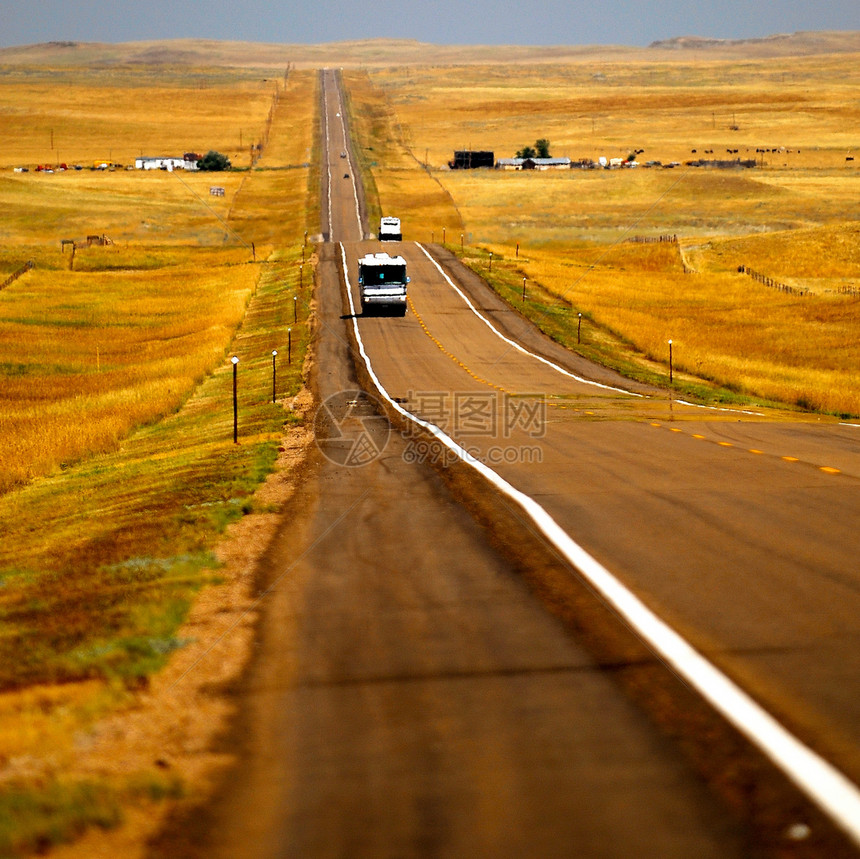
453, 357
827, 469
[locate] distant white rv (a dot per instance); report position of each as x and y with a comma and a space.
389, 230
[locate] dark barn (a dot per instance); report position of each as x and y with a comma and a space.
467, 159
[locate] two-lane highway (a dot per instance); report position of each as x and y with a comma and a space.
739, 528
414, 697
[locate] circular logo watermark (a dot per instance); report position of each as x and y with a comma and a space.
351, 429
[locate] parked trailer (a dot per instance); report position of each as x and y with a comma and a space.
382, 282
389, 230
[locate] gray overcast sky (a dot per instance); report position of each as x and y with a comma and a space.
540, 22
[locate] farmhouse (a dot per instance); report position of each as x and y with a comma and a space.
546, 164
187, 162
533, 164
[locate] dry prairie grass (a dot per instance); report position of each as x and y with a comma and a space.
88, 356
116, 401
82, 115
725, 327
99, 565
275, 208
793, 217
140, 207
818, 255
667, 108
393, 177
122, 339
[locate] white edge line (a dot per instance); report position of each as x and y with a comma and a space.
349, 163
513, 343
832, 791
327, 148
556, 366
719, 408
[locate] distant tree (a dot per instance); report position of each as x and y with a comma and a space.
539, 150
213, 161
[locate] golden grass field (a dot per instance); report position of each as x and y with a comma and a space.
118, 472
794, 217
124, 337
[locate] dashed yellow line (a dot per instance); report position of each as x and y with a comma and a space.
827, 469
453, 357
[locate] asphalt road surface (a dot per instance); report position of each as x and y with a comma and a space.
436, 679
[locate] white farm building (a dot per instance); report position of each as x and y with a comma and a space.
187, 162
533, 164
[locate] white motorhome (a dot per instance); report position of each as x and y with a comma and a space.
389, 230
382, 282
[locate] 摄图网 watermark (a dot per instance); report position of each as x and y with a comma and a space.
351, 429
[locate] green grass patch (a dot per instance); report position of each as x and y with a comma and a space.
100, 562
33, 820
36, 818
